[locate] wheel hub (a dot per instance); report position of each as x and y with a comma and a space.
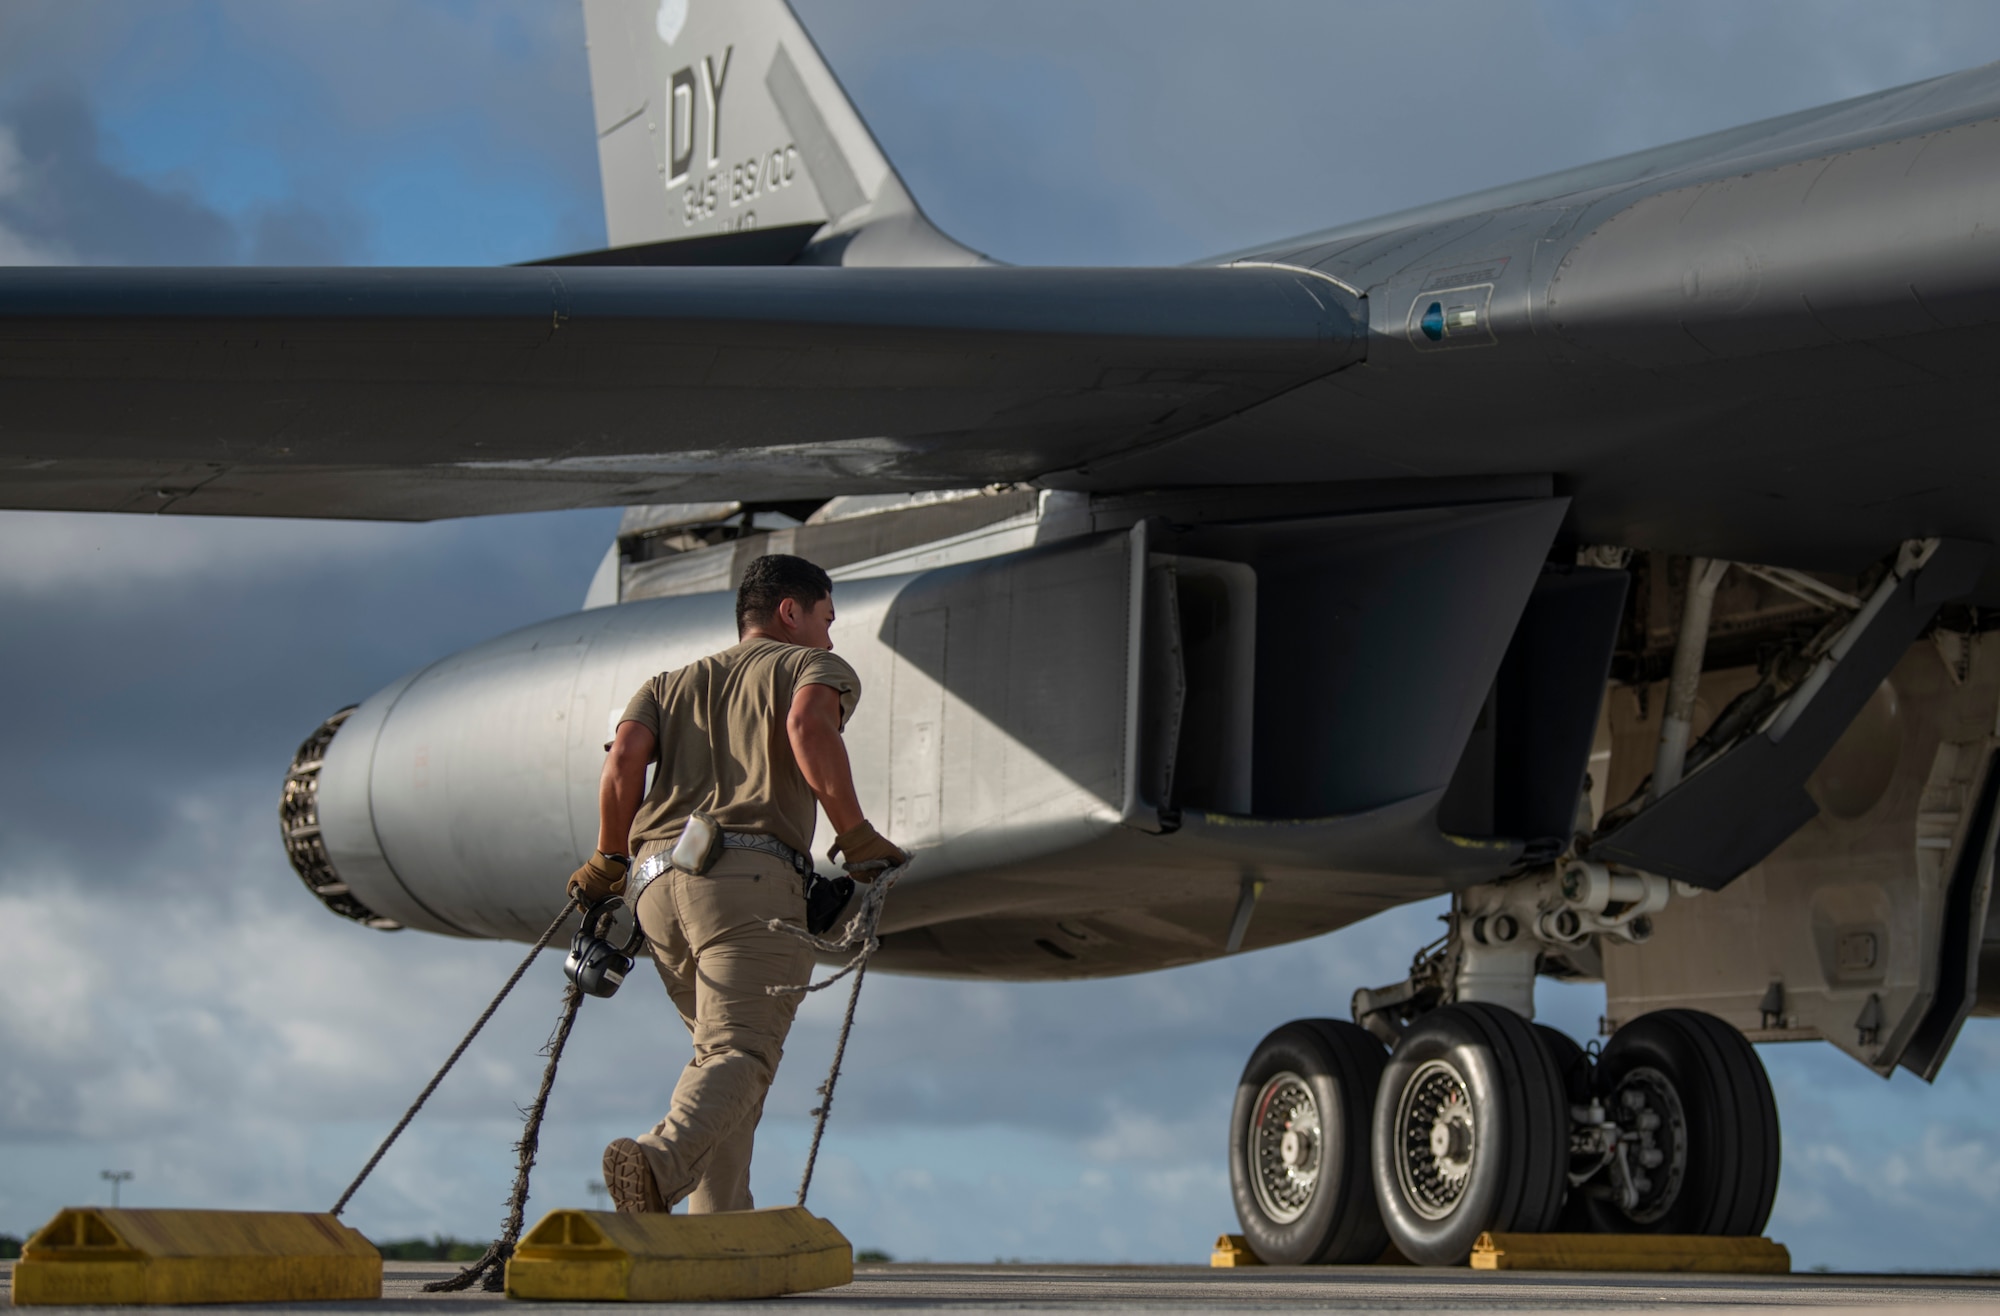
1284, 1148
1436, 1139
1653, 1128
1451, 1138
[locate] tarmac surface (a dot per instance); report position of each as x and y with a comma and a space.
971, 1289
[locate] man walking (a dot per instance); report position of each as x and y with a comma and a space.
749, 737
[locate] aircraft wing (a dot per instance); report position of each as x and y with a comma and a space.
410, 394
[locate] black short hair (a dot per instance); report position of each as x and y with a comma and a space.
770, 579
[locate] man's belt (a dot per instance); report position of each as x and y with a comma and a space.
770, 845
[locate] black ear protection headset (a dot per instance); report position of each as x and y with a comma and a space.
596, 964
826, 899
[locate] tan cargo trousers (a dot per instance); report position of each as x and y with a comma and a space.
710, 939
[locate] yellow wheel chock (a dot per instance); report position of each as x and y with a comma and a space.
1643, 1252
605, 1256
1232, 1250
100, 1256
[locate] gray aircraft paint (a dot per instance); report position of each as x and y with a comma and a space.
719, 117
685, 152
620, 385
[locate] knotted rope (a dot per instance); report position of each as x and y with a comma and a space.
452, 1059
858, 933
493, 1264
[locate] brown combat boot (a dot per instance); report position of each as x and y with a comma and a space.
630, 1178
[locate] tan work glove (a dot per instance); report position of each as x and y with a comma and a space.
865, 852
598, 880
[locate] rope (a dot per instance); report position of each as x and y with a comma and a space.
493, 1265
857, 931
438, 1077
819, 1112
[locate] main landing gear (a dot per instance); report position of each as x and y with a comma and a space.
1480, 1120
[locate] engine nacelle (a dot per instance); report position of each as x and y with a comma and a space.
1106, 751
460, 798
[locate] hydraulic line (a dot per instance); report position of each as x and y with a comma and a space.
1677, 727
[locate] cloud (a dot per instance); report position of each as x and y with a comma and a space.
64, 197
1888, 1176
243, 996
452, 132
106, 555
64, 202
1898, 1200
297, 234
221, 132
17, 248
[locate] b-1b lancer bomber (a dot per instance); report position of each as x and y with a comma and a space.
1610, 552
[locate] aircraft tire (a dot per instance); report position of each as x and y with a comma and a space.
1718, 1126
1572, 1062
1579, 1074
1471, 1133
1298, 1145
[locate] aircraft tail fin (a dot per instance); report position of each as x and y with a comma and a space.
717, 119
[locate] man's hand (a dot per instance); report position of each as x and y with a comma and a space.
865, 853
597, 881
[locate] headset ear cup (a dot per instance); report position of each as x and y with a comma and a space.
596, 966
602, 971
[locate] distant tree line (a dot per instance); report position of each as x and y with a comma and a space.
435, 1248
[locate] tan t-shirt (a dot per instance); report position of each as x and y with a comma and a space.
748, 691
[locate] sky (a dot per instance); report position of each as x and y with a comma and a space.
171, 1000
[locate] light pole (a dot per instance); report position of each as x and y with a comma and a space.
597, 1189
116, 1177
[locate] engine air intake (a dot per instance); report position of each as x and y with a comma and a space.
298, 816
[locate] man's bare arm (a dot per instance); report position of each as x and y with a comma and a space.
813, 725
622, 786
